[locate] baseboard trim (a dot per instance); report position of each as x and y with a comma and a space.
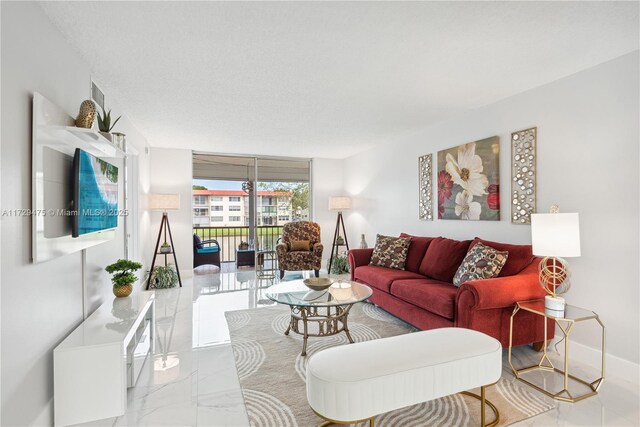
614, 366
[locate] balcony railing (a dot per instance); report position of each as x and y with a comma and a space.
230, 237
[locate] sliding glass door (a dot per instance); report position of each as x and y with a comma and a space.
248, 199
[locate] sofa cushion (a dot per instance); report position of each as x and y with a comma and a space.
381, 277
390, 252
432, 295
481, 262
520, 256
208, 250
417, 249
443, 257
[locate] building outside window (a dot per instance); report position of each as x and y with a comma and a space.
199, 200
235, 208
284, 218
235, 219
215, 198
217, 219
234, 198
217, 208
200, 212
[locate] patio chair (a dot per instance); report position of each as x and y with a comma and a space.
293, 252
205, 252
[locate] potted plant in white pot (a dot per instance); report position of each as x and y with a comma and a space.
105, 125
165, 248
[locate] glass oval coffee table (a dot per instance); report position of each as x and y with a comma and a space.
329, 308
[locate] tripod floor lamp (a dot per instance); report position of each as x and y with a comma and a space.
338, 204
164, 202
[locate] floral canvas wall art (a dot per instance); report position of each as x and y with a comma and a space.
469, 181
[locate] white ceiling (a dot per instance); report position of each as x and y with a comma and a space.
328, 79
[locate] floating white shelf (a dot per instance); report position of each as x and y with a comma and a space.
88, 140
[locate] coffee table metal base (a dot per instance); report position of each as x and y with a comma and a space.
330, 320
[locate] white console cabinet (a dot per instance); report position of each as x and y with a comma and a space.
101, 358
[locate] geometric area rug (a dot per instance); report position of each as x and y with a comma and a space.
272, 374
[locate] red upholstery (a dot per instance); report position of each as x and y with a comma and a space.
417, 249
358, 257
520, 256
381, 277
432, 295
482, 305
502, 292
408, 312
487, 305
443, 258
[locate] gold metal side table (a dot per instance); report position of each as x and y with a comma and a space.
566, 322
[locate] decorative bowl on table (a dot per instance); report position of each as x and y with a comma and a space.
318, 283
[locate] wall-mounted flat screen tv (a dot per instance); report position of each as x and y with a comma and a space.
95, 194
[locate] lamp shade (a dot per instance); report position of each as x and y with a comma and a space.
339, 203
164, 202
555, 234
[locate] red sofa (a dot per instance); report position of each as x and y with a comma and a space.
424, 296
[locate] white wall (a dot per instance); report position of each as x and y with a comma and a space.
171, 173
326, 180
41, 303
588, 137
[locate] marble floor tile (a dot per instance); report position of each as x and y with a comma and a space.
173, 414
191, 378
225, 408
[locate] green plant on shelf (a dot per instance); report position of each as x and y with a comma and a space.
104, 121
165, 248
164, 277
122, 271
339, 264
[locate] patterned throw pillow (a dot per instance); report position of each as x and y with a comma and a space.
390, 252
481, 262
300, 245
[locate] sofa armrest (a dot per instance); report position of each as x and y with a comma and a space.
317, 249
358, 257
282, 248
503, 292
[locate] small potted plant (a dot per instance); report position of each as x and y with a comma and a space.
123, 277
339, 264
165, 248
105, 125
164, 277
243, 246
340, 240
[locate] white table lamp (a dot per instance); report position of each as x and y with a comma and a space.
555, 236
339, 203
164, 202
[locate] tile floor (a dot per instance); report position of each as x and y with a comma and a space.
191, 378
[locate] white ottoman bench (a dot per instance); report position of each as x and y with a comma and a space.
353, 383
